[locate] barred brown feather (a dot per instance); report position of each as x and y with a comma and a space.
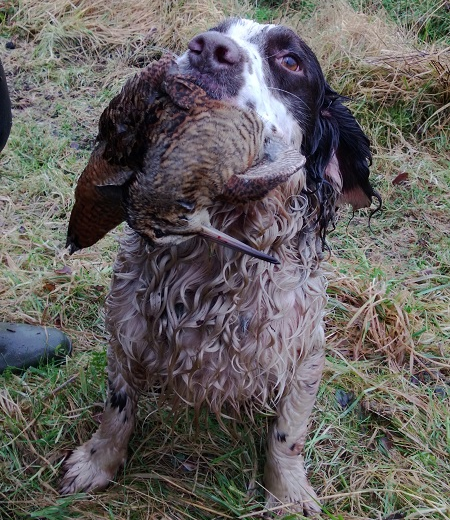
166, 151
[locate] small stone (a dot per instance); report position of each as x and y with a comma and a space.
10, 45
440, 391
344, 399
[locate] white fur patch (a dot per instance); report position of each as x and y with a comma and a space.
255, 91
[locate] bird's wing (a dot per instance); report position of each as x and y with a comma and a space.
125, 123
122, 141
96, 210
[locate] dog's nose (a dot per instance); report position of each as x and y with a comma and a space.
214, 51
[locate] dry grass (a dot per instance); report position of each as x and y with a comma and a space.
88, 28
380, 443
368, 56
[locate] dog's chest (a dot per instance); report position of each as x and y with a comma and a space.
214, 325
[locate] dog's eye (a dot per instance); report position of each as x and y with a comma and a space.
290, 62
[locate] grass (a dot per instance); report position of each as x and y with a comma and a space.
426, 20
379, 445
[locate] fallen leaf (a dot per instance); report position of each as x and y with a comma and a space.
386, 444
402, 178
64, 270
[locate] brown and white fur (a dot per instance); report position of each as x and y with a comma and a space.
210, 326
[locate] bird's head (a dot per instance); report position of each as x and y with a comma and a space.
171, 228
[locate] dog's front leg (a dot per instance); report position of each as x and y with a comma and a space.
93, 465
284, 475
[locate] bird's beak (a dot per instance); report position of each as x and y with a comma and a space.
225, 240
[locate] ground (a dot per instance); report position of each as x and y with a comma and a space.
380, 440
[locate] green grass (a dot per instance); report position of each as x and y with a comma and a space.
268, 10
427, 20
380, 434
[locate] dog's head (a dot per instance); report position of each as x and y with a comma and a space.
270, 69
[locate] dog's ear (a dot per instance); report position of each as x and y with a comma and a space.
340, 153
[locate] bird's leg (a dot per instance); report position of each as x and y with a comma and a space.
278, 165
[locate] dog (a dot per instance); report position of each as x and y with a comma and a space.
211, 327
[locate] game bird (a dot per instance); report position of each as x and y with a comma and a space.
165, 151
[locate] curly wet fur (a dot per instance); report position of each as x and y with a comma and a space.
211, 325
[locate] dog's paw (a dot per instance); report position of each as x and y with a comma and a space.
90, 468
302, 501
288, 489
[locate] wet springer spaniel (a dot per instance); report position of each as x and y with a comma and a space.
207, 325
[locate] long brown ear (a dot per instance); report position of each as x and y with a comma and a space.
343, 150
348, 167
